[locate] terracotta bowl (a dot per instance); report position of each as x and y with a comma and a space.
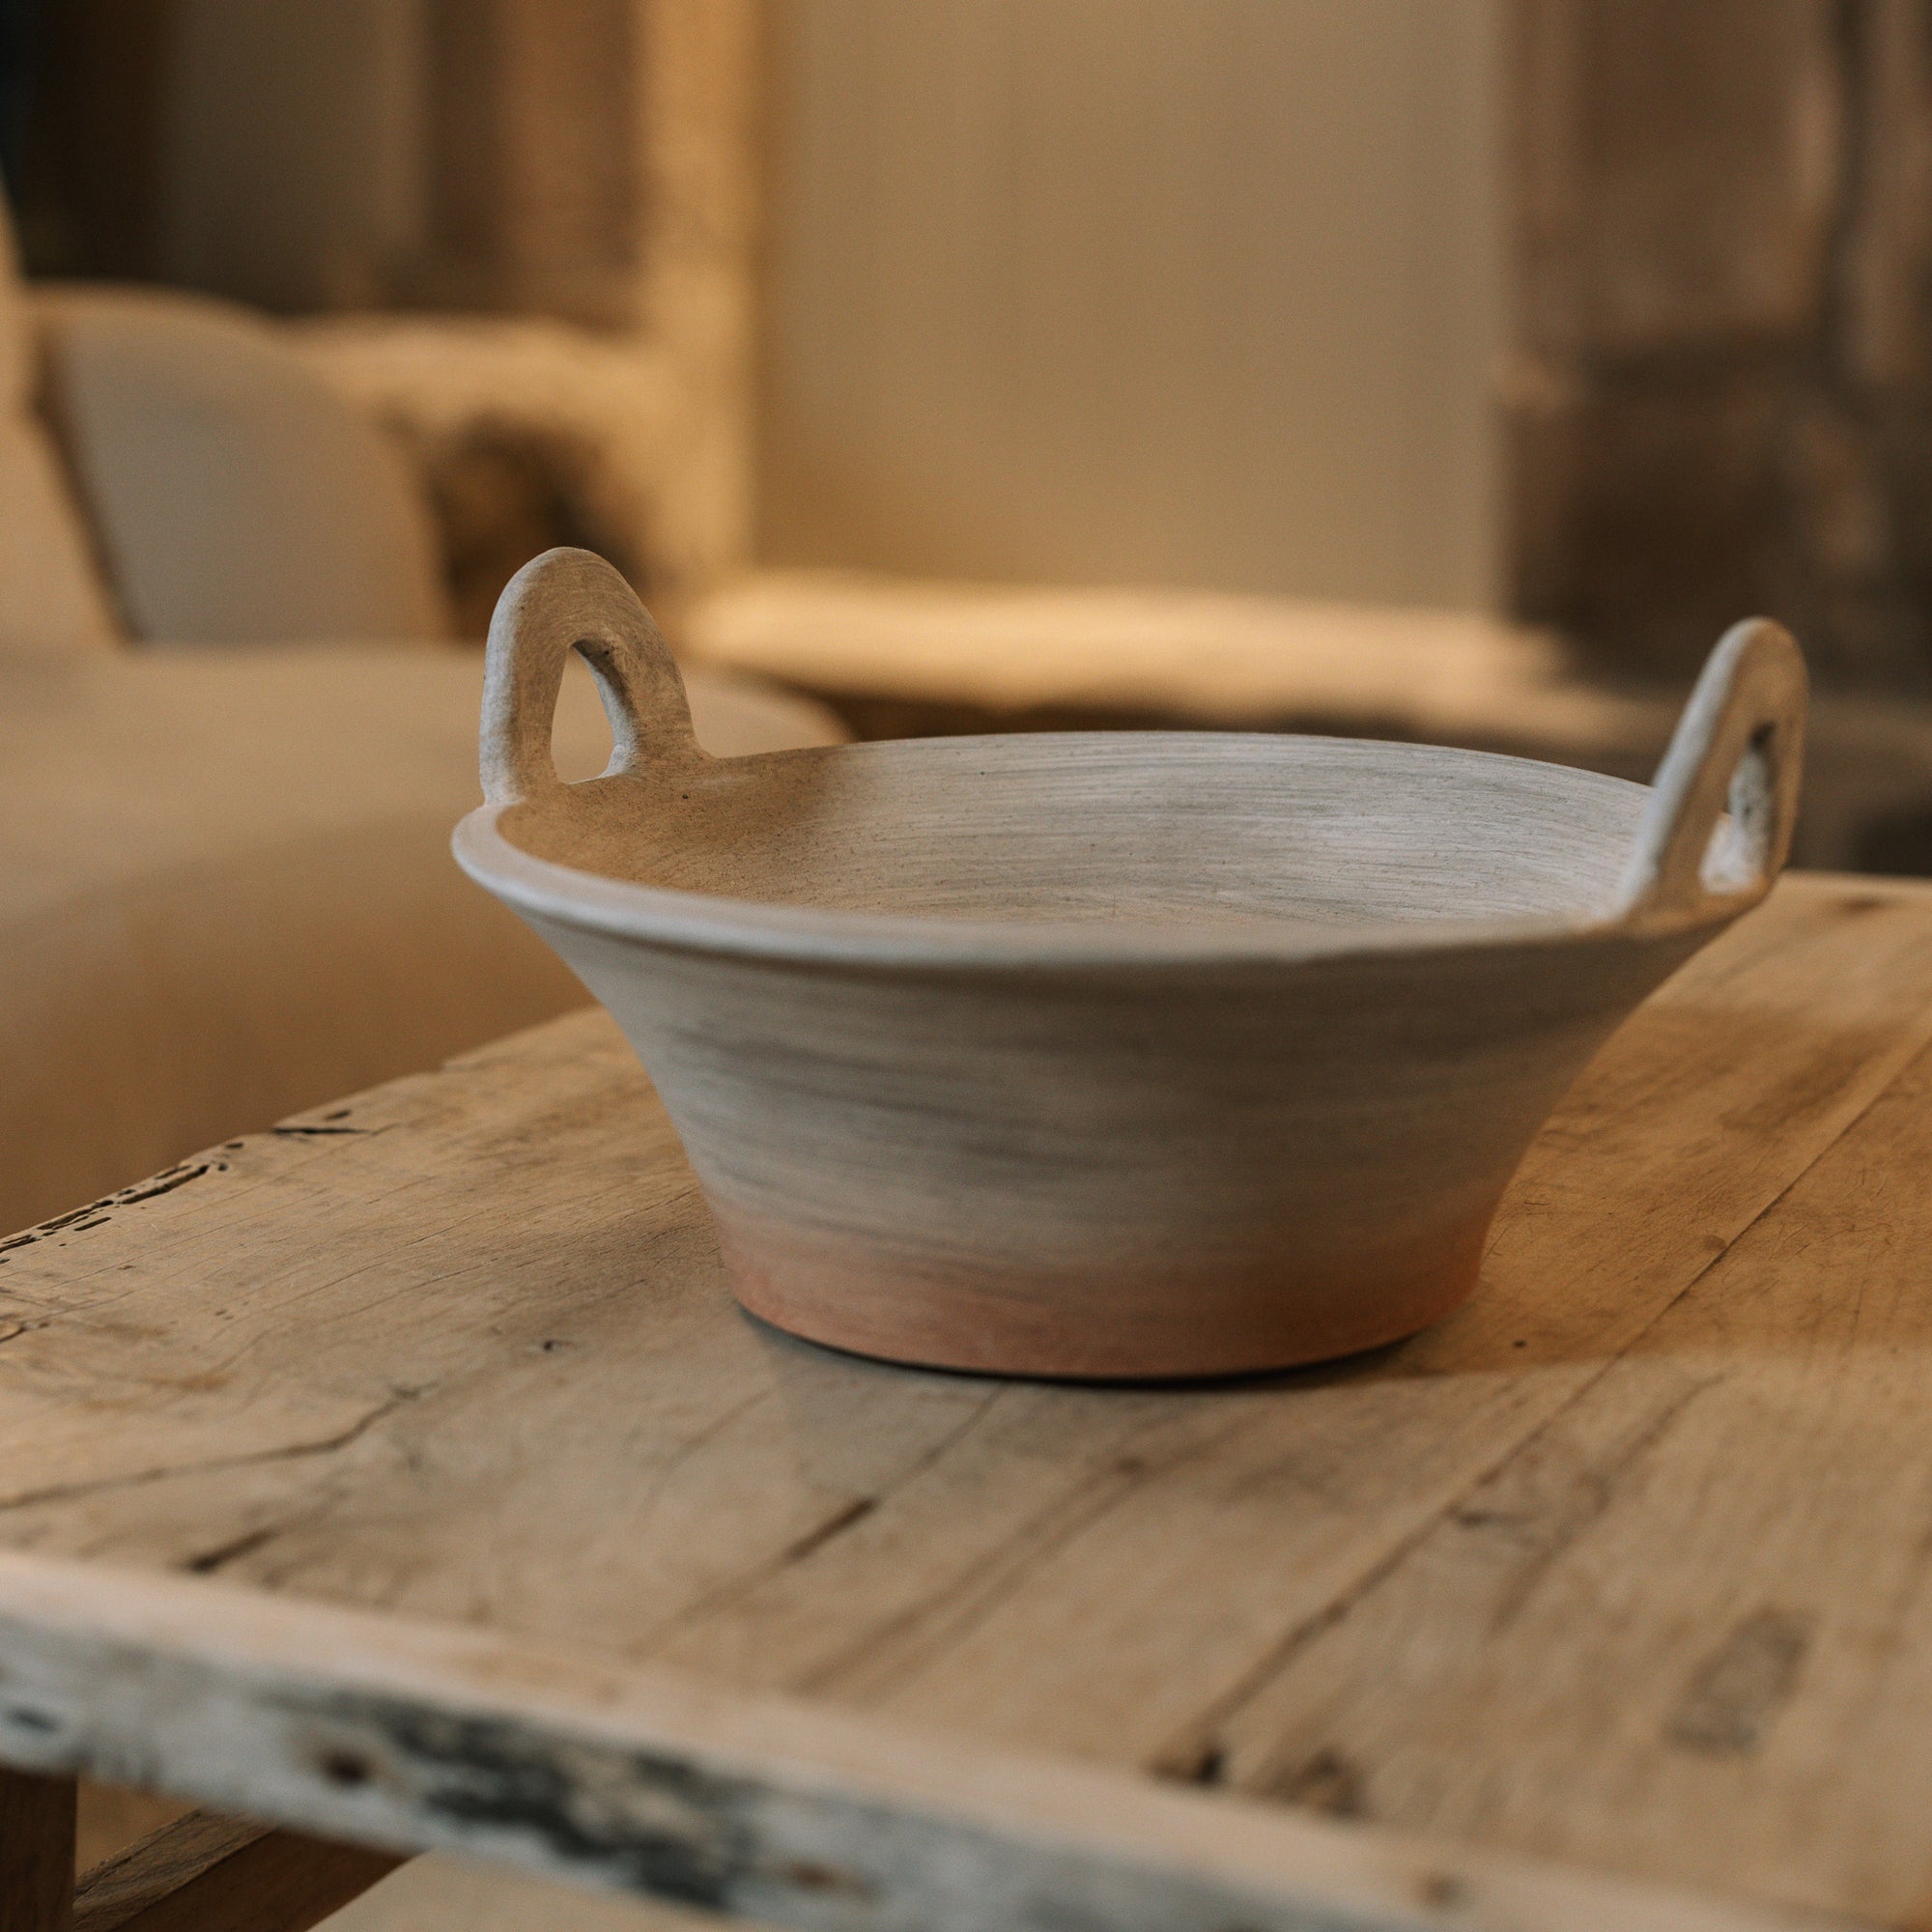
1109, 1054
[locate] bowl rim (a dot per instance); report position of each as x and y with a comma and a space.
718, 923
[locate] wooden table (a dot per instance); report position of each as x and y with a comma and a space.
405, 1476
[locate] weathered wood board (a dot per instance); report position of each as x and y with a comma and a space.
1623, 1567
36, 1852
203, 1874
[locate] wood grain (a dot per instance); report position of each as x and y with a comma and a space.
35, 1851
109, 1818
1707, 1579
459, 1349
208, 1874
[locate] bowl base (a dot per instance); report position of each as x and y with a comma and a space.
1120, 1324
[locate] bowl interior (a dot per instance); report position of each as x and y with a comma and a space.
1109, 826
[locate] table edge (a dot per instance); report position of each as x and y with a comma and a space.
413, 1735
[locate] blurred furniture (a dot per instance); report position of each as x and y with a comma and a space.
972, 365
407, 1476
232, 499
899, 657
595, 165
529, 433
225, 889
898, 652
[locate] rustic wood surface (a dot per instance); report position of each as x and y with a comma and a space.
35, 1851
204, 1874
1624, 1566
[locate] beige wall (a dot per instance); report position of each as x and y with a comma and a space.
1197, 290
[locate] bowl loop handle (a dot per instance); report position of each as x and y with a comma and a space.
1718, 828
572, 599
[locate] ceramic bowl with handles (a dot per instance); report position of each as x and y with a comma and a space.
1107, 1054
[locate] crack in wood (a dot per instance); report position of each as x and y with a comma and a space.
949, 1615
209, 1561
1738, 1690
1328, 1780
1553, 1532
250, 1459
165, 1182
827, 1530
835, 1524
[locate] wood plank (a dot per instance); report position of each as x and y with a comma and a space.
209, 1874
402, 1731
109, 1818
35, 1851
459, 1351
1676, 1624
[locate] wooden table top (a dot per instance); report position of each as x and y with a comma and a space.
406, 1473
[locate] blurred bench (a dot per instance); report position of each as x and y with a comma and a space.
898, 658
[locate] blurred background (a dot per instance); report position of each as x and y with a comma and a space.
1606, 316
1444, 369
1450, 369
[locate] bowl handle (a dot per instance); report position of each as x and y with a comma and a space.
1721, 807
565, 600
